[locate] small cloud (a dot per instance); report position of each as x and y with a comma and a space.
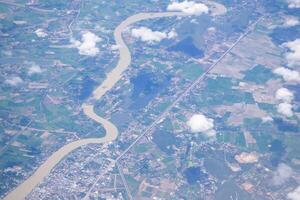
40, 33
199, 123
172, 34
242, 84
288, 74
294, 3
211, 133
290, 21
188, 7
147, 35
284, 95
114, 47
194, 21
7, 53
293, 56
294, 195
282, 174
87, 45
14, 81
216, 8
211, 29
20, 22
285, 109
267, 119
246, 158
34, 69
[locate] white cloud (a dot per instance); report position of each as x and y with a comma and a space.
40, 33
286, 97
285, 109
189, 7
284, 94
211, 29
293, 57
200, 123
172, 34
20, 22
13, 81
291, 21
87, 46
34, 69
211, 133
194, 21
114, 47
295, 195
288, 74
245, 157
294, 3
282, 174
147, 35
242, 84
267, 119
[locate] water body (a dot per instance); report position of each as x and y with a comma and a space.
112, 78
86, 88
82, 89
28, 185
277, 150
187, 47
194, 174
285, 34
165, 141
285, 126
146, 86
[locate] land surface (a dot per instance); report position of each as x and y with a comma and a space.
107, 101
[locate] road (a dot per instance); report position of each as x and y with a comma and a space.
112, 78
182, 95
26, 6
21, 191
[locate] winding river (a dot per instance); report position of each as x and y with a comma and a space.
21, 191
